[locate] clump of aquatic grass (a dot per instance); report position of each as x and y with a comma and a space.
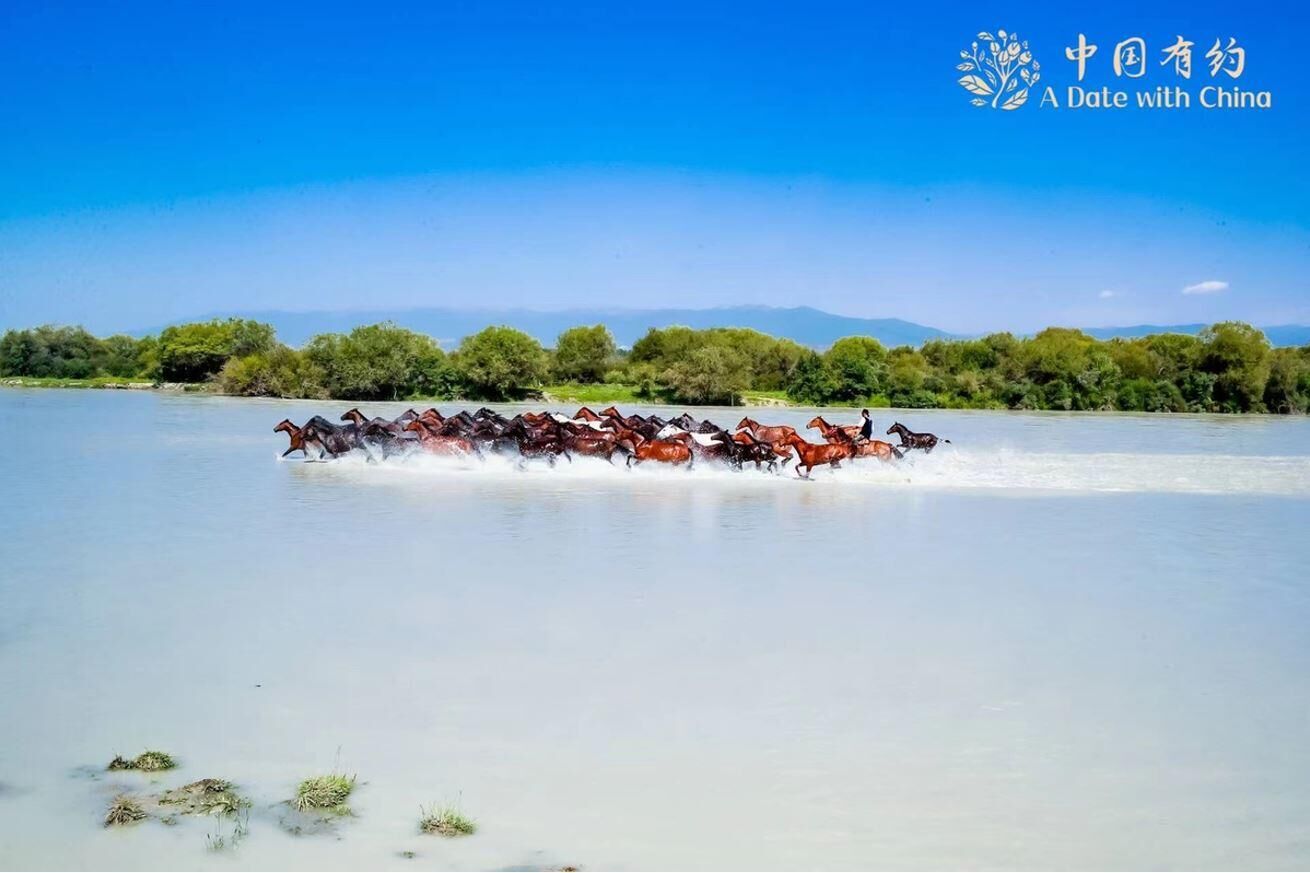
206, 797
124, 810
150, 761
328, 792
447, 821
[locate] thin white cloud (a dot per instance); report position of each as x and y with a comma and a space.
1107, 294
1210, 286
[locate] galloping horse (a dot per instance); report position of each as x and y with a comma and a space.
438, 443
851, 430
759, 451
768, 433
811, 455
675, 450
297, 441
912, 440
597, 444
842, 434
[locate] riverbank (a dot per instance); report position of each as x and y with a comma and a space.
601, 394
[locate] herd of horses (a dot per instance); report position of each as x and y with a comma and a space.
550, 435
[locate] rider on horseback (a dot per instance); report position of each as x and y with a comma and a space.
866, 428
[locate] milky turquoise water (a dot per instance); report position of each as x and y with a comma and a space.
1062, 641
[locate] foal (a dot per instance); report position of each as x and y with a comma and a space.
912, 440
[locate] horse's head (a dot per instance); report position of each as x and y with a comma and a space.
896, 428
817, 422
416, 425
407, 415
353, 415
747, 422
611, 410
285, 426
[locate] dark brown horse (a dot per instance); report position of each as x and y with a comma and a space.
596, 444
912, 440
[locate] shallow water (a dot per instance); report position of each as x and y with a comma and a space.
1061, 641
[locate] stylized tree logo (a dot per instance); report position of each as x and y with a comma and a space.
1005, 65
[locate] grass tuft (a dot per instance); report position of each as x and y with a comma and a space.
446, 821
152, 761
124, 810
328, 792
206, 797
149, 761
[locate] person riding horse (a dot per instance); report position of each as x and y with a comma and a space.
866, 427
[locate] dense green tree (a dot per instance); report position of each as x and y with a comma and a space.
1237, 355
50, 351
812, 382
378, 362
710, 374
501, 363
1288, 387
280, 372
121, 356
583, 354
858, 365
194, 352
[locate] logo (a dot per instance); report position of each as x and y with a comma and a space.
998, 70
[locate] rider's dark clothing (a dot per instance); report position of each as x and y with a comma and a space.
866, 429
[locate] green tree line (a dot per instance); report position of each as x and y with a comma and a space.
1228, 367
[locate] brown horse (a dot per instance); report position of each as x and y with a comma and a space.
674, 450
595, 445
297, 442
811, 455
586, 415
440, 444
851, 430
768, 433
862, 449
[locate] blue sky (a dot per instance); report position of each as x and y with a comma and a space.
161, 161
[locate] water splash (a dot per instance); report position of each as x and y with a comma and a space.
949, 469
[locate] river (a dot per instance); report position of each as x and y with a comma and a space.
1061, 641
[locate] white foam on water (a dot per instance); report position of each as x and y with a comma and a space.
1003, 470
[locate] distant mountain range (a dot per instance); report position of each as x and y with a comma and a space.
805, 325
1279, 334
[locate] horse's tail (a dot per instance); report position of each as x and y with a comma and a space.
898, 453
